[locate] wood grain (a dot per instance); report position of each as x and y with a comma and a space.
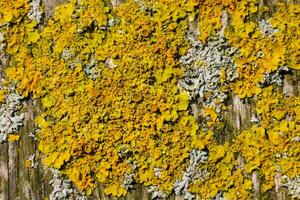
18, 182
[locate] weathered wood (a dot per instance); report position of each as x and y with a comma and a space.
20, 182
256, 185
4, 171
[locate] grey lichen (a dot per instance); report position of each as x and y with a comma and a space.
63, 188
205, 64
35, 12
89, 66
10, 118
281, 156
266, 28
91, 70
156, 193
293, 185
33, 136
141, 4
31, 158
157, 171
70, 59
129, 178
255, 119
275, 77
296, 139
128, 181
67, 54
124, 153
111, 22
192, 173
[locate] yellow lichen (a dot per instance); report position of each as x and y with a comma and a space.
13, 137
107, 78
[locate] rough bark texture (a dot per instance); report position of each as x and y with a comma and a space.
18, 182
